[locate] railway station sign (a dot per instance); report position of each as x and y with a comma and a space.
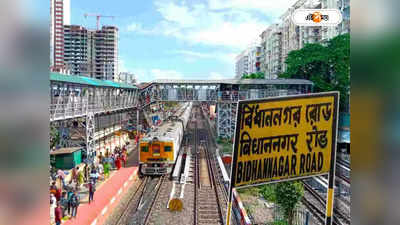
284, 138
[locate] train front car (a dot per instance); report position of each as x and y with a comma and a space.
160, 147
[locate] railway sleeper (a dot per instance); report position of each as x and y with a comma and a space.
209, 207
209, 221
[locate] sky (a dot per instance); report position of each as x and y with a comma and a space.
181, 39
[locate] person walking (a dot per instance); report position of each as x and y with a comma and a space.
75, 173
58, 194
92, 189
101, 158
53, 188
124, 157
117, 162
107, 168
58, 214
86, 172
80, 178
75, 201
93, 175
69, 200
61, 176
64, 203
52, 209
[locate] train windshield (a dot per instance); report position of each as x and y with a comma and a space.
156, 149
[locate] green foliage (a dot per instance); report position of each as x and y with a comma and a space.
258, 75
288, 195
327, 66
253, 191
279, 222
54, 137
268, 192
227, 148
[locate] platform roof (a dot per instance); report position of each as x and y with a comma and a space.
88, 81
65, 150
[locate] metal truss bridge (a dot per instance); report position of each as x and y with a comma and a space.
87, 100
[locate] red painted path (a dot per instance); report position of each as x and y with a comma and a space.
97, 211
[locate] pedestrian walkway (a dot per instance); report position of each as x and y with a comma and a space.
105, 195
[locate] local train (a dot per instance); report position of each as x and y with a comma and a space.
159, 148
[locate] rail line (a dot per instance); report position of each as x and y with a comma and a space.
208, 192
339, 217
133, 203
156, 196
141, 202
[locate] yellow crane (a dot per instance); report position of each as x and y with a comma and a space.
97, 18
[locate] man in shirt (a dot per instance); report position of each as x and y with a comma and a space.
58, 214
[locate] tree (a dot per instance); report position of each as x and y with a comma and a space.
328, 67
268, 192
54, 137
258, 75
288, 195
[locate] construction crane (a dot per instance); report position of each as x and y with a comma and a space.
97, 18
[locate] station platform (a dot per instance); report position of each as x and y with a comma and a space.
106, 198
108, 193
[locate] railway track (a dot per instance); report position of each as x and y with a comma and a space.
317, 204
202, 193
141, 202
133, 203
208, 198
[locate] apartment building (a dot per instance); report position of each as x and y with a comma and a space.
105, 53
125, 77
272, 48
248, 61
242, 64
59, 16
92, 53
254, 59
76, 48
344, 27
296, 37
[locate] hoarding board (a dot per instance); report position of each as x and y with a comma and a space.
284, 138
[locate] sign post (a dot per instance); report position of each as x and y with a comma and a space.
285, 138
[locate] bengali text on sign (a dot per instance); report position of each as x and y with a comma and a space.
284, 138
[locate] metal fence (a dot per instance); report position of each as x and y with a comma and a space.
301, 216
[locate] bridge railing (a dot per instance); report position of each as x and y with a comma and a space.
78, 109
176, 94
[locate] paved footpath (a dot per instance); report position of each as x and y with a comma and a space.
105, 198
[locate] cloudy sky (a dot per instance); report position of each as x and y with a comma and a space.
192, 39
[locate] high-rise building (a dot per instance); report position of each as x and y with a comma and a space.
76, 48
104, 55
125, 77
248, 61
344, 27
92, 53
59, 16
254, 54
278, 40
272, 46
242, 64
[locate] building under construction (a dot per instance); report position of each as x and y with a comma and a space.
92, 53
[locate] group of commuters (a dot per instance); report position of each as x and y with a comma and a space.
65, 198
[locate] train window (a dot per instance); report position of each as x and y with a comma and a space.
145, 149
167, 149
